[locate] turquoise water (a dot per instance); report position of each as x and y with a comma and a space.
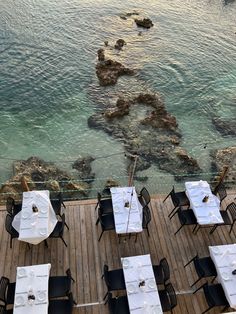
48, 86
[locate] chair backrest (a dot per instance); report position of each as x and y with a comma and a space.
171, 295
4, 282
173, 197
222, 192
197, 263
106, 276
145, 195
146, 216
10, 205
232, 209
165, 268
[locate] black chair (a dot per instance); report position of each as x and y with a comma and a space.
221, 192
7, 291
8, 225
168, 298
118, 305
106, 221
61, 306
146, 218
178, 199
229, 219
58, 230
3, 310
105, 206
144, 197
186, 218
214, 295
114, 279
204, 267
162, 272
57, 206
60, 286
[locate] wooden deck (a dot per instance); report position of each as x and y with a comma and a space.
86, 256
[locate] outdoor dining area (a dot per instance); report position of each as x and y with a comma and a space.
126, 252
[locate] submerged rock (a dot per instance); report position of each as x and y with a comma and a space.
225, 127
154, 138
101, 54
83, 166
145, 22
109, 71
119, 44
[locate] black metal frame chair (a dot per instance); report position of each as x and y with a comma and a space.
106, 221
214, 295
204, 267
186, 218
60, 286
114, 279
9, 228
229, 219
144, 197
105, 206
146, 218
118, 305
57, 205
162, 272
7, 291
61, 306
168, 298
178, 199
11, 207
221, 191
58, 230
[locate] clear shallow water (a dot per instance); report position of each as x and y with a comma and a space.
48, 86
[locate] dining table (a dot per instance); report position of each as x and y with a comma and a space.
205, 205
128, 212
142, 293
224, 258
31, 293
37, 219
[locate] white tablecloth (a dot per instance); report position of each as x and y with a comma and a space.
32, 280
127, 219
224, 258
35, 227
145, 299
208, 212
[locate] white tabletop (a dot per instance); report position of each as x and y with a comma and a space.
35, 227
144, 299
208, 212
224, 258
32, 280
127, 219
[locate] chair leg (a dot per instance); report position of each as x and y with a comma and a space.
45, 243
197, 227
97, 221
231, 228
136, 236
166, 197
195, 282
199, 288
67, 226
11, 243
63, 241
178, 229
148, 232
100, 235
191, 260
105, 297
170, 214
207, 309
213, 229
213, 279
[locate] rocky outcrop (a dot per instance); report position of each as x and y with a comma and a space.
145, 22
154, 138
41, 175
109, 71
225, 157
225, 127
119, 44
101, 54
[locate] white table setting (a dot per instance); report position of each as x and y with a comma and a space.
128, 212
37, 219
31, 294
141, 286
205, 205
224, 258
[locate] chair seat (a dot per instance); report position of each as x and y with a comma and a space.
59, 286
165, 303
215, 294
187, 217
106, 205
57, 230
158, 273
226, 217
108, 221
205, 267
183, 199
60, 307
11, 293
119, 305
116, 279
